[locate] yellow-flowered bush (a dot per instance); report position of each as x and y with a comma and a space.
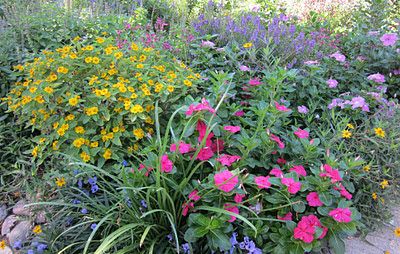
93, 100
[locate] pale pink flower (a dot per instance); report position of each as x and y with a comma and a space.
339, 57
207, 44
231, 128
378, 78
341, 215
262, 182
332, 83
225, 180
302, 109
389, 39
244, 68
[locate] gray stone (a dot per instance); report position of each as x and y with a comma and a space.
6, 250
8, 224
20, 209
40, 217
3, 212
19, 232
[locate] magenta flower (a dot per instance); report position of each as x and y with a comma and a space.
182, 147
332, 83
378, 78
239, 113
203, 106
262, 182
202, 129
186, 207
341, 215
343, 192
299, 169
293, 186
233, 209
231, 128
205, 153
389, 39
225, 180
331, 173
228, 160
287, 216
166, 164
239, 197
282, 108
244, 68
301, 133
194, 196
281, 161
254, 82
281, 145
339, 57
302, 109
276, 172
313, 199
306, 228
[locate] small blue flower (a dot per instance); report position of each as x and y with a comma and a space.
68, 222
17, 245
84, 211
80, 184
76, 201
124, 163
143, 203
233, 239
30, 252
76, 171
41, 247
128, 202
93, 226
186, 248
92, 181
94, 188
169, 237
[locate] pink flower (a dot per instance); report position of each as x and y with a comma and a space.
228, 160
306, 228
299, 169
301, 133
244, 68
339, 57
262, 182
332, 83
282, 108
231, 128
281, 145
293, 186
239, 113
205, 153
225, 180
343, 192
311, 62
207, 44
287, 216
233, 209
217, 146
166, 164
276, 172
186, 207
202, 129
313, 199
194, 196
182, 147
302, 109
389, 39
333, 174
203, 106
281, 161
254, 82
341, 215
378, 78
239, 197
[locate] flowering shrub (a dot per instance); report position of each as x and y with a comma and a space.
93, 100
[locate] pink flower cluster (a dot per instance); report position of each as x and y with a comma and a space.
225, 180
378, 78
203, 106
292, 185
331, 173
306, 229
389, 39
355, 102
341, 215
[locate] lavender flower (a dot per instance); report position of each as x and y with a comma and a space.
302, 109
84, 211
17, 245
186, 248
93, 226
41, 247
143, 203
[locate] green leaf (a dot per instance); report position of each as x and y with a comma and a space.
325, 198
219, 240
190, 236
299, 207
336, 243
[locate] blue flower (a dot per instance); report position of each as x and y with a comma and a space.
169, 237
128, 202
76, 171
41, 247
92, 181
233, 239
186, 248
94, 188
124, 163
93, 226
84, 211
30, 252
80, 184
76, 201
143, 203
17, 245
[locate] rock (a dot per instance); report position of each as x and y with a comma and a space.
40, 217
3, 212
19, 232
8, 224
20, 209
6, 250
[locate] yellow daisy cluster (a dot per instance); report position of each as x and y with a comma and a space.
93, 99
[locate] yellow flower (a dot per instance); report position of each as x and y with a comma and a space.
397, 232
95, 60
379, 132
35, 151
384, 184
85, 157
187, 83
70, 117
346, 134
115, 129
374, 196
137, 109
350, 126
366, 168
2, 245
118, 55
60, 181
73, 56
37, 229
387, 252
78, 142
79, 130
134, 47
62, 69
48, 89
170, 89
107, 154
32, 89
139, 66
100, 40
139, 133
88, 59
92, 111
55, 145
73, 101
247, 45
94, 144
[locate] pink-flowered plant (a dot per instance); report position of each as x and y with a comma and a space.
299, 169
281, 145
332, 83
282, 108
288, 217
255, 82
339, 57
194, 195
232, 129
306, 229
182, 147
239, 197
262, 182
276, 172
203, 106
389, 39
331, 173
301, 133
341, 215
377, 77
313, 199
228, 160
166, 164
225, 180
292, 185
